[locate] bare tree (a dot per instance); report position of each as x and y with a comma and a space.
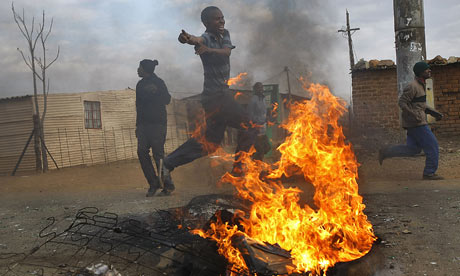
33, 60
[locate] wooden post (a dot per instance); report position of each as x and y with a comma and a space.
90, 150
60, 148
68, 150
23, 152
103, 145
131, 139
115, 144
81, 148
124, 145
37, 144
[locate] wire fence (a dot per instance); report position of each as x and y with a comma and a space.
74, 147
68, 147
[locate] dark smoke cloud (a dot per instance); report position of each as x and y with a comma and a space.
270, 35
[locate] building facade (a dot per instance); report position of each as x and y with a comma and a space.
375, 97
79, 129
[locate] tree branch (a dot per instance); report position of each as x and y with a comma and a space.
24, 58
57, 56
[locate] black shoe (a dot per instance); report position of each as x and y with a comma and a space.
165, 192
432, 176
381, 157
151, 192
167, 180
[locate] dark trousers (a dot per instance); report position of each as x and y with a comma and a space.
221, 111
418, 138
151, 136
262, 146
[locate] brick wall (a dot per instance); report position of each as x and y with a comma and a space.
375, 98
446, 89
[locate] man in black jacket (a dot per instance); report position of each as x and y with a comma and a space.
152, 96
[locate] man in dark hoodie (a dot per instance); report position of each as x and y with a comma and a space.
419, 136
214, 48
152, 96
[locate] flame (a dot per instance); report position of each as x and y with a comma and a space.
237, 95
335, 229
223, 233
199, 133
237, 79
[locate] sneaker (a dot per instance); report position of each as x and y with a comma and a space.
432, 176
381, 157
151, 192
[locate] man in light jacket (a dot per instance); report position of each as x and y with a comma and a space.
419, 136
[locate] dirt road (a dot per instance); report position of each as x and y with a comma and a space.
417, 220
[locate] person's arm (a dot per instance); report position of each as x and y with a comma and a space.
405, 100
163, 95
137, 104
436, 114
185, 37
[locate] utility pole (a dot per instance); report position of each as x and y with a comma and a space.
409, 38
348, 31
286, 69
410, 41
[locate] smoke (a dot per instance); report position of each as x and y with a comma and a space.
100, 49
270, 35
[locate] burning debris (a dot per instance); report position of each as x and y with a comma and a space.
264, 231
159, 243
335, 229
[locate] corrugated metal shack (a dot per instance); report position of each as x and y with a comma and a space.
80, 128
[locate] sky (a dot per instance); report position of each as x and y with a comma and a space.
101, 42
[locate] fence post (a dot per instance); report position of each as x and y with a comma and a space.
131, 139
90, 150
115, 144
124, 145
23, 151
60, 148
103, 145
81, 147
68, 150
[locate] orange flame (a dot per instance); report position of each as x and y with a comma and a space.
237, 79
199, 133
335, 229
237, 95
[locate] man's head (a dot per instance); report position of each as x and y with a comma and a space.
146, 67
213, 20
422, 70
258, 88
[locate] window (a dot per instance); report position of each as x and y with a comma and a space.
92, 114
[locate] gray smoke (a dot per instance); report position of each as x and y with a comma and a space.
270, 35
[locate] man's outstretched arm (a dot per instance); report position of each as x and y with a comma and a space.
185, 37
